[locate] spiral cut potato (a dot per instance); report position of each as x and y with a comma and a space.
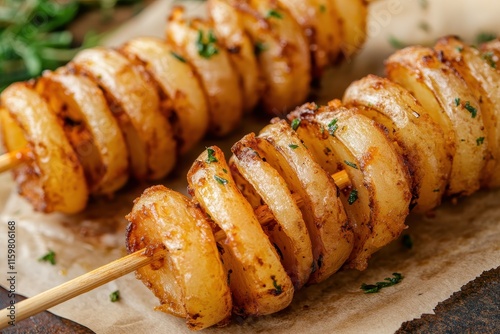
428, 131
133, 110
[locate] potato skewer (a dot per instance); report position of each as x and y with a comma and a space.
134, 110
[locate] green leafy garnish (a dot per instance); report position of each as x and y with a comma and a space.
471, 109
178, 56
353, 197
277, 288
274, 13
114, 296
322, 8
351, 164
396, 43
333, 126
295, 124
457, 101
490, 58
484, 37
480, 141
374, 288
49, 257
206, 46
259, 47
221, 180
293, 146
211, 157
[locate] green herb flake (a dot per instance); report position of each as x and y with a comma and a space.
114, 296
353, 197
485, 37
295, 124
388, 281
274, 13
293, 146
480, 141
396, 43
459, 49
49, 257
424, 26
206, 47
178, 56
436, 190
407, 241
333, 126
224, 170
471, 109
211, 157
457, 101
322, 8
351, 164
259, 47
490, 58
221, 180
277, 288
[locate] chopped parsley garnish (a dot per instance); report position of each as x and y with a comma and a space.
396, 43
353, 197
485, 37
333, 126
259, 47
322, 8
277, 288
457, 101
220, 180
49, 257
351, 164
224, 170
114, 296
206, 48
293, 146
480, 141
211, 157
424, 26
274, 13
407, 241
471, 109
459, 49
295, 124
489, 57
374, 288
178, 56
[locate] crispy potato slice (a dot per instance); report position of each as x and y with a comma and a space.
52, 179
230, 32
320, 22
283, 55
353, 18
326, 220
258, 281
135, 102
196, 42
288, 232
385, 180
90, 127
410, 126
483, 80
452, 105
189, 280
178, 83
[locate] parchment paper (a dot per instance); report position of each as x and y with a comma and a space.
451, 248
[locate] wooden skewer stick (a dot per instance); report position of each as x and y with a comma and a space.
118, 268
12, 159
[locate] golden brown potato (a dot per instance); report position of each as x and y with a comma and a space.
258, 282
180, 85
189, 279
288, 231
353, 16
195, 41
135, 102
52, 179
90, 127
408, 124
483, 81
452, 105
323, 212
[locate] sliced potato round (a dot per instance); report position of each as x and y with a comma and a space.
353, 18
135, 102
323, 212
320, 22
52, 179
90, 127
483, 80
195, 41
179, 83
283, 53
189, 280
452, 105
288, 232
385, 180
230, 33
410, 126
258, 281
